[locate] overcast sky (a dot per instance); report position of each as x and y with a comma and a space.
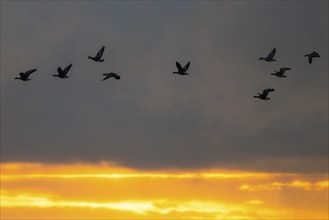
151, 118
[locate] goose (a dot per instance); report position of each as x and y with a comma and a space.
270, 56
109, 75
63, 73
263, 96
311, 56
98, 57
281, 72
182, 71
24, 76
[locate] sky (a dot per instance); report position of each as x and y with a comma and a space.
154, 122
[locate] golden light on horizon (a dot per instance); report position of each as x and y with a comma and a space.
68, 191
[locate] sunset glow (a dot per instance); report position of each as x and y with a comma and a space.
39, 191
164, 110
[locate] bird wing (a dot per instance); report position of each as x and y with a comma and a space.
100, 52
310, 58
272, 53
106, 76
315, 54
179, 67
27, 73
60, 71
266, 91
66, 70
186, 66
22, 75
116, 76
112, 74
283, 69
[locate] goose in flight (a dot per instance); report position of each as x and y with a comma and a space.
270, 56
311, 56
281, 72
109, 75
98, 57
63, 73
182, 70
24, 76
263, 95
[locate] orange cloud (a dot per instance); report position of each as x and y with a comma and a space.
321, 185
44, 191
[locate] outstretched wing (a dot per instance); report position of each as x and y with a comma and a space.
315, 54
22, 75
60, 71
100, 52
266, 91
186, 66
310, 58
179, 67
106, 76
283, 69
66, 70
272, 53
27, 73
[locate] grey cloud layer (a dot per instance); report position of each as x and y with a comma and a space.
151, 118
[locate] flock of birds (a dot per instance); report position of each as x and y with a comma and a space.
62, 73
280, 73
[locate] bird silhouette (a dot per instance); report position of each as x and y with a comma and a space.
109, 75
63, 73
281, 72
24, 76
270, 56
98, 57
311, 56
182, 70
263, 95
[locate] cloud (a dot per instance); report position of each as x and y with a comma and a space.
321, 185
117, 192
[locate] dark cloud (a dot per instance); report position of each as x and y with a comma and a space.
152, 119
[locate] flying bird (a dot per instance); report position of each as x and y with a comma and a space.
109, 75
24, 76
270, 56
311, 56
63, 73
263, 95
281, 72
98, 57
182, 70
